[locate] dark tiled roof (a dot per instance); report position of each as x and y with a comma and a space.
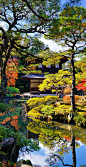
41, 76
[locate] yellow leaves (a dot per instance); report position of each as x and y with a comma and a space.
67, 90
83, 25
62, 108
51, 98
53, 81
35, 101
34, 113
40, 106
80, 76
1, 42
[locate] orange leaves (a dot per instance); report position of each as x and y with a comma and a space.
11, 72
83, 25
1, 114
67, 138
67, 98
82, 85
6, 120
67, 90
13, 122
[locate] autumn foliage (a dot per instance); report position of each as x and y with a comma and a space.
13, 122
67, 90
12, 72
67, 98
82, 85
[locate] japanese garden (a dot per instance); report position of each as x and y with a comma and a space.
42, 83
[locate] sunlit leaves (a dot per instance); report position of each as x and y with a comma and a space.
47, 107
56, 81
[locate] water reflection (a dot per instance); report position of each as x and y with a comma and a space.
61, 145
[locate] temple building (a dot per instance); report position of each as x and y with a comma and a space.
36, 79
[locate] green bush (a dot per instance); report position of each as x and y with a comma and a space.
9, 95
80, 119
3, 107
12, 90
21, 140
1, 139
47, 110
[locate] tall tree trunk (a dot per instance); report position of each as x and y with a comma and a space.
73, 84
3, 83
3, 48
73, 149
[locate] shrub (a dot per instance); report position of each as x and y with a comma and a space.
80, 119
12, 90
35, 101
9, 95
47, 110
51, 99
42, 100
3, 107
76, 98
67, 98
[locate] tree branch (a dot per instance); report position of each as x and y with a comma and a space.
8, 55
40, 17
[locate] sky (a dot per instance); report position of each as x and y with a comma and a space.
53, 45
83, 2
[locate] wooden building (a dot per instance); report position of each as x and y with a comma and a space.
36, 79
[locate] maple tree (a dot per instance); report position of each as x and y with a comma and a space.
12, 72
13, 121
80, 67
67, 98
82, 86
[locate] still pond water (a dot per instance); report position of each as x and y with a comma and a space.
60, 144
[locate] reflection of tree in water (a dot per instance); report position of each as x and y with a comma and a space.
52, 136
53, 159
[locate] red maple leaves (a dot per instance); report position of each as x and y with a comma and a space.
12, 72
82, 85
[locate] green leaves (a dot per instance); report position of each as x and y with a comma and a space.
69, 26
3, 107
12, 90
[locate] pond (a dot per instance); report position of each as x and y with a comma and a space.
59, 144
